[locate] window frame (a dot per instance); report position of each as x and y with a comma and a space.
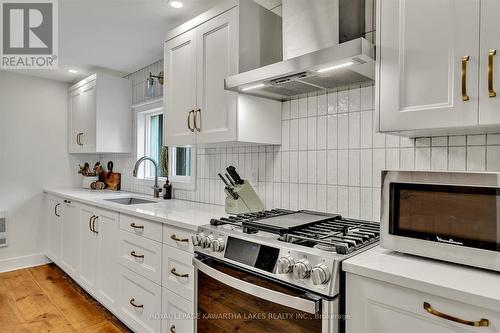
144, 111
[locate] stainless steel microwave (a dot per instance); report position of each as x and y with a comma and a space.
451, 216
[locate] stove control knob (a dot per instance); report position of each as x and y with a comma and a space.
206, 241
302, 269
320, 274
217, 245
197, 239
285, 264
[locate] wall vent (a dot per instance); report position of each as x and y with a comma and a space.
3, 229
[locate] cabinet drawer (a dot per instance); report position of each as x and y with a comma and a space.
141, 255
178, 238
145, 228
178, 272
178, 313
375, 306
139, 302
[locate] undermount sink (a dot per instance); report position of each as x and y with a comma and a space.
130, 201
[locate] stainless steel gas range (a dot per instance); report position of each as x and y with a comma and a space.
276, 270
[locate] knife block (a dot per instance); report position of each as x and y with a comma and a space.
248, 201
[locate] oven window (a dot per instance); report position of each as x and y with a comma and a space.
223, 309
460, 215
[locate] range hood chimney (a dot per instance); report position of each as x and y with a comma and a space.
327, 44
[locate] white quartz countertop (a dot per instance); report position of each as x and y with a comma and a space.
180, 213
462, 283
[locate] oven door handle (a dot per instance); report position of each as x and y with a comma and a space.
311, 304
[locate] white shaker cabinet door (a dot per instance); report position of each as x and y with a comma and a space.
217, 58
88, 248
489, 75
180, 89
70, 252
54, 228
428, 64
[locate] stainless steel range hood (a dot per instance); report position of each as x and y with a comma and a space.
313, 66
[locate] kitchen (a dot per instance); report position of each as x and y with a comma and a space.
253, 166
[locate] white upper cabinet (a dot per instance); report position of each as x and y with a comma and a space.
199, 55
100, 115
428, 57
217, 54
180, 88
489, 71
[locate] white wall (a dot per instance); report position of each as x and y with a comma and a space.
33, 156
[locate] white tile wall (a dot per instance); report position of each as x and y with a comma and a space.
330, 158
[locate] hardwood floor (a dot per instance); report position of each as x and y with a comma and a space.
44, 299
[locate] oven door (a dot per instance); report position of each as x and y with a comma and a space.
231, 299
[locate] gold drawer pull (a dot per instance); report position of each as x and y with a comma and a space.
135, 226
132, 302
177, 239
491, 90
480, 323
173, 271
172, 329
136, 255
465, 60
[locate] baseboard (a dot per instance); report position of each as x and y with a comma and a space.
12, 264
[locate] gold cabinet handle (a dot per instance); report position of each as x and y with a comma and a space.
177, 239
190, 113
132, 302
491, 90
93, 225
90, 223
172, 329
173, 271
135, 226
133, 254
198, 128
55, 210
480, 323
79, 139
465, 60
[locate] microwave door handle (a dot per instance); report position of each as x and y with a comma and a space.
307, 304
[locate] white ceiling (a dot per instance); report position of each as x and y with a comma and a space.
118, 36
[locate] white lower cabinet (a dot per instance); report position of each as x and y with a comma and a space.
140, 270
374, 306
178, 272
140, 302
70, 251
141, 255
178, 313
54, 213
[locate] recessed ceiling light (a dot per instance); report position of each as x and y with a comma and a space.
73, 71
253, 87
332, 68
176, 3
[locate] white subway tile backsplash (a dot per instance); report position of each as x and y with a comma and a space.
312, 105
302, 107
343, 101
476, 158
322, 136
312, 133
322, 104
330, 158
332, 132
354, 100
354, 130
332, 102
457, 159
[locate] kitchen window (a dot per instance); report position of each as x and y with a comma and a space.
177, 161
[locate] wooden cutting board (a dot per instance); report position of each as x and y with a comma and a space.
111, 179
